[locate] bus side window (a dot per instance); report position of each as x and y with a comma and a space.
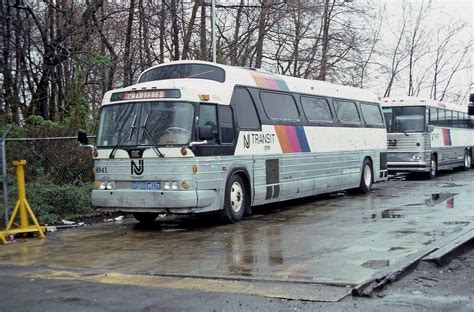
463, 120
208, 117
244, 109
279, 106
226, 124
347, 112
449, 118
434, 116
371, 114
316, 109
442, 117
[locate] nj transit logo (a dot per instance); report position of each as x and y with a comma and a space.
138, 169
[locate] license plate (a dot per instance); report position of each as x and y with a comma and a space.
145, 185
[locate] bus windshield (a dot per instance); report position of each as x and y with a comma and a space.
145, 124
405, 119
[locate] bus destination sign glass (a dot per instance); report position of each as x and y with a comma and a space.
145, 95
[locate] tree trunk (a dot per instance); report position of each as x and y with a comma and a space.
262, 23
127, 67
325, 41
203, 31
189, 30
162, 30
175, 29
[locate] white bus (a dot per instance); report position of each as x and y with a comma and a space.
425, 135
194, 137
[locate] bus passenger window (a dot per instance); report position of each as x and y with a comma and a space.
442, 118
372, 115
244, 109
280, 106
449, 118
433, 116
316, 109
346, 111
208, 117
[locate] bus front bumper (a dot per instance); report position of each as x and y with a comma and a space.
408, 162
408, 167
156, 201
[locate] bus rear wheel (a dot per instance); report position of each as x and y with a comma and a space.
145, 217
366, 177
235, 201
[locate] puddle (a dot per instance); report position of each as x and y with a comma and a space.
397, 248
390, 213
456, 222
437, 198
375, 264
386, 214
452, 184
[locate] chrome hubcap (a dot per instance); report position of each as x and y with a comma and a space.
433, 167
236, 197
367, 175
467, 160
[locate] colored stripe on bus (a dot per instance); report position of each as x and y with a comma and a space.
269, 81
292, 139
447, 137
302, 139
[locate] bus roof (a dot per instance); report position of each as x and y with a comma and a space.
221, 92
420, 101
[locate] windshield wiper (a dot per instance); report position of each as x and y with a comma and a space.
155, 146
112, 153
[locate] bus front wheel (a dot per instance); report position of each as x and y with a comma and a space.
433, 168
145, 217
467, 160
236, 201
366, 178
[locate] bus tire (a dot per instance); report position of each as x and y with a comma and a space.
433, 167
366, 177
467, 161
145, 217
235, 200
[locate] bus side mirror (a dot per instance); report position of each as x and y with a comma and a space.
470, 109
205, 133
430, 128
82, 137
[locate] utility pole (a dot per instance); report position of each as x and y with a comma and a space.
213, 29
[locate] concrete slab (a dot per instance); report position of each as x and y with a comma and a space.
334, 240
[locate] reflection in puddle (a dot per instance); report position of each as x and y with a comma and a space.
387, 214
437, 198
456, 222
390, 213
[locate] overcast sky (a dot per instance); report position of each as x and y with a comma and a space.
442, 12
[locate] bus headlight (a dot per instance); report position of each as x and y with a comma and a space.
109, 185
416, 157
102, 185
174, 185
167, 185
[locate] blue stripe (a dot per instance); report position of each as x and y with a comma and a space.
302, 138
282, 86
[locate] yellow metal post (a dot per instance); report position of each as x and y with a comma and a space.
22, 208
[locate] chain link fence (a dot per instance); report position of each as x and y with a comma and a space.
58, 175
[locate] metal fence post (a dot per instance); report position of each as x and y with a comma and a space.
4, 174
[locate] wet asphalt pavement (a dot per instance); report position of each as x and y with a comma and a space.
314, 249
